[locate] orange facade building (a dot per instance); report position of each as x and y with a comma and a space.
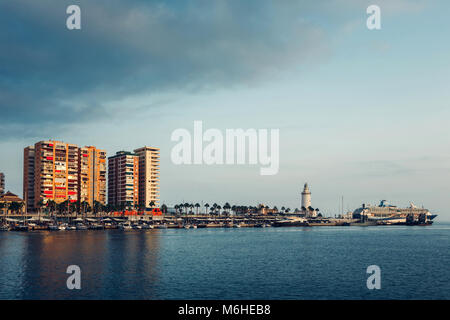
59, 171
92, 175
148, 176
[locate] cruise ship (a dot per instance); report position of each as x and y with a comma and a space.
385, 213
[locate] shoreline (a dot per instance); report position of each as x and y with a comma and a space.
34, 222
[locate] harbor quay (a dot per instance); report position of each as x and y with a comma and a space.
30, 222
102, 221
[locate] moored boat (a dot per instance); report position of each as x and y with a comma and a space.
81, 226
291, 222
20, 227
125, 226
53, 227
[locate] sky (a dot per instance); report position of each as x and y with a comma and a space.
363, 114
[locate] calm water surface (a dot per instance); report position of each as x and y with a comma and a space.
270, 263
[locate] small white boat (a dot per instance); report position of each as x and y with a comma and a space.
81, 226
136, 226
187, 226
4, 227
125, 226
53, 227
236, 225
71, 228
96, 226
194, 226
161, 226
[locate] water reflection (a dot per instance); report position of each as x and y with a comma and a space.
268, 263
113, 265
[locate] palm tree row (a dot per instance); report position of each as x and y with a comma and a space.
81, 208
226, 209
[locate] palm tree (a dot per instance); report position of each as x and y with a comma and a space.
73, 207
206, 206
39, 205
97, 207
84, 206
51, 205
164, 209
197, 206
151, 204
226, 207
60, 207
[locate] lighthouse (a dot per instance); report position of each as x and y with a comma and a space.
306, 197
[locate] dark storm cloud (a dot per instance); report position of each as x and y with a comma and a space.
50, 75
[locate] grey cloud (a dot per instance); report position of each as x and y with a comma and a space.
52, 76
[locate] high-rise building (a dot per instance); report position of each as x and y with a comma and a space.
92, 175
123, 179
28, 177
2, 183
148, 176
53, 171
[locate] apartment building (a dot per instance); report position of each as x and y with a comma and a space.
53, 171
92, 175
2, 183
28, 177
123, 179
148, 176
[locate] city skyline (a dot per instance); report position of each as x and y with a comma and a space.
138, 162
362, 113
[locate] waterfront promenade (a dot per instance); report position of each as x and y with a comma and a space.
107, 221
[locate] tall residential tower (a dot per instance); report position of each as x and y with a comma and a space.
148, 176
28, 178
92, 175
123, 179
54, 171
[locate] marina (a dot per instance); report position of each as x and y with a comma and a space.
146, 222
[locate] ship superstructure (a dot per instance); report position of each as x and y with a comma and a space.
390, 214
